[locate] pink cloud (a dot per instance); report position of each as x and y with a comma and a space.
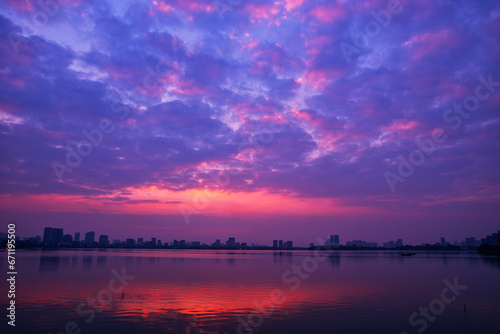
163, 7
261, 11
316, 45
250, 45
292, 4
319, 79
22, 5
431, 43
402, 125
197, 6
328, 14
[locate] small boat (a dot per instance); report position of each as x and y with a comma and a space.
408, 254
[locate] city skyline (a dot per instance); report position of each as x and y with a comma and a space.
53, 233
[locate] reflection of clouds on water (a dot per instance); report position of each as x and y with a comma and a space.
181, 292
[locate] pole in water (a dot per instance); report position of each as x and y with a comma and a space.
465, 309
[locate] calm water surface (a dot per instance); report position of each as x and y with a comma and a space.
253, 292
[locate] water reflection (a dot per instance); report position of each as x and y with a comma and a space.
335, 260
49, 263
493, 261
206, 292
87, 262
101, 261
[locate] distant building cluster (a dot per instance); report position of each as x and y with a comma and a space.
55, 237
472, 242
279, 244
361, 243
393, 244
332, 241
492, 239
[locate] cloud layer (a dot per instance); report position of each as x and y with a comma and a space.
157, 100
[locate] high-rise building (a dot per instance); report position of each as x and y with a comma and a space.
389, 244
47, 235
231, 242
336, 240
159, 243
77, 237
280, 244
275, 243
153, 242
399, 242
103, 240
140, 241
361, 243
89, 237
289, 244
130, 242
67, 239
470, 242
52, 235
443, 242
182, 244
330, 240
58, 234
491, 239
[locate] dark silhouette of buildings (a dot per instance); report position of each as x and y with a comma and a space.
52, 236
282, 244
332, 241
490, 239
393, 244
231, 242
55, 237
336, 240
67, 239
89, 237
103, 240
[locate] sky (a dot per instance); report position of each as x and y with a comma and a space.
262, 120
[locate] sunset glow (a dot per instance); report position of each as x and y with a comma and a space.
352, 117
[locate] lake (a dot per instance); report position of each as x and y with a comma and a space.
216, 291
